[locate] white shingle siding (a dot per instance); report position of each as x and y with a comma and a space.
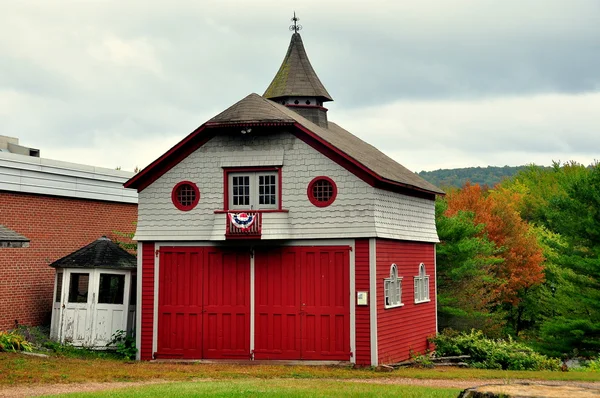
404, 217
358, 211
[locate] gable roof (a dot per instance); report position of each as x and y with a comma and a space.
256, 110
296, 76
101, 253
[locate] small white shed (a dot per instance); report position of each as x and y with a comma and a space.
95, 294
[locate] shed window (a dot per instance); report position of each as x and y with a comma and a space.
421, 286
322, 191
253, 190
59, 282
185, 195
133, 290
111, 289
78, 288
393, 289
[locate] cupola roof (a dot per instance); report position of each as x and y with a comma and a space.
296, 76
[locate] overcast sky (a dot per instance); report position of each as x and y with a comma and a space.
434, 84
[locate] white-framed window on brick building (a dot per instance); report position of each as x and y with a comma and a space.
421, 286
253, 190
392, 288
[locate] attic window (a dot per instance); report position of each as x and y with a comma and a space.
253, 189
185, 195
322, 191
296, 102
307, 102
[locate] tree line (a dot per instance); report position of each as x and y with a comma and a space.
522, 258
489, 176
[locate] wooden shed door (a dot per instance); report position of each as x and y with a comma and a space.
203, 303
302, 303
180, 302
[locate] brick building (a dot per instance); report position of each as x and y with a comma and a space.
49, 209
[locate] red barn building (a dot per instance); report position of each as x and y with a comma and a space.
49, 209
271, 233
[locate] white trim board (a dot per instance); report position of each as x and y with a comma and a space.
373, 302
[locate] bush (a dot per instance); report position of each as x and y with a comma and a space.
492, 354
124, 343
13, 341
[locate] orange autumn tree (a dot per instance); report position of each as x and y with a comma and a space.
522, 265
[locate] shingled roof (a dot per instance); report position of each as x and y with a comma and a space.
296, 76
256, 109
101, 253
10, 238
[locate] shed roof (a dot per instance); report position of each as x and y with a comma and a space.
101, 253
256, 109
8, 235
296, 76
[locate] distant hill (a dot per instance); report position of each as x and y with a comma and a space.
489, 176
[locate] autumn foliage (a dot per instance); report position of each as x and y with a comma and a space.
497, 211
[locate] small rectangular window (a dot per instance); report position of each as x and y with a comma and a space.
253, 190
111, 289
59, 282
78, 288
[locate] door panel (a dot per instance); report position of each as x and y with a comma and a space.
204, 303
78, 308
227, 305
277, 304
180, 302
325, 304
302, 303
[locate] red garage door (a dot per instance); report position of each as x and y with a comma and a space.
302, 303
203, 303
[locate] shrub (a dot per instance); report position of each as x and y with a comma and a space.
124, 343
13, 341
492, 354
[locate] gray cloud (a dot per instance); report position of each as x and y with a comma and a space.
74, 75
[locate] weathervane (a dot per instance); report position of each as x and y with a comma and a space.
295, 27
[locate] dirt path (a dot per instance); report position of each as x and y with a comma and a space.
45, 389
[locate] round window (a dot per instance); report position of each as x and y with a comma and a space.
322, 191
185, 195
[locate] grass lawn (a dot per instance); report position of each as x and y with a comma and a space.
274, 388
17, 368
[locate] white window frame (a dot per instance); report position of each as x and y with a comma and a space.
254, 191
392, 289
421, 286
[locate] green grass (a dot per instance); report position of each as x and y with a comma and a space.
274, 388
18, 369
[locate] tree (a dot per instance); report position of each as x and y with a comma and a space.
516, 244
466, 286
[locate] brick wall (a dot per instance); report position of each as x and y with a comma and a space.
56, 227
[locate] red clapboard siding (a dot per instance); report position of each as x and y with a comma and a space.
363, 315
147, 304
403, 330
